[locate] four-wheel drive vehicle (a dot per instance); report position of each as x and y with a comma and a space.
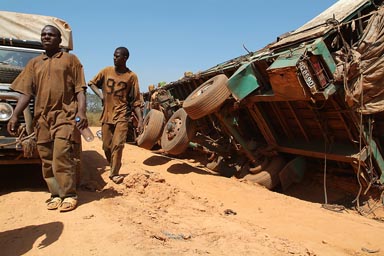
315, 94
20, 42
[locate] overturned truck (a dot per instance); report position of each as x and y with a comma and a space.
314, 95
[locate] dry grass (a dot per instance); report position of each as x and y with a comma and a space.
93, 118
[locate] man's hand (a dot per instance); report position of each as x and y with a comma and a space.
140, 126
82, 121
13, 125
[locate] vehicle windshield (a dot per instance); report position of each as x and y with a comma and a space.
17, 57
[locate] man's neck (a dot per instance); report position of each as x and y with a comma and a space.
121, 70
52, 52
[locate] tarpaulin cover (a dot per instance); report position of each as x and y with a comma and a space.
363, 74
22, 26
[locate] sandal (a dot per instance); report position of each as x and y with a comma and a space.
117, 179
68, 204
53, 203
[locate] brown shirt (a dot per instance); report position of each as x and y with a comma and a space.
120, 93
54, 83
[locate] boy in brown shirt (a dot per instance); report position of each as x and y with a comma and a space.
119, 93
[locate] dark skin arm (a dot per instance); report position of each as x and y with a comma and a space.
97, 91
81, 110
23, 102
13, 124
139, 118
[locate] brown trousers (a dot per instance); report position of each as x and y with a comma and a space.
59, 167
114, 138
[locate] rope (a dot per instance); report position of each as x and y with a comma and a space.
19, 139
331, 207
370, 171
325, 173
373, 208
357, 199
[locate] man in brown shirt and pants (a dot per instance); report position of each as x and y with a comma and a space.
56, 81
119, 93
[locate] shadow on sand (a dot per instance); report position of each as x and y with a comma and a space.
20, 241
92, 183
177, 168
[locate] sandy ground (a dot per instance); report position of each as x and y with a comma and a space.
168, 206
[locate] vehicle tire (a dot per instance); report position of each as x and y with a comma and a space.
207, 98
221, 166
269, 177
259, 166
9, 73
153, 127
177, 133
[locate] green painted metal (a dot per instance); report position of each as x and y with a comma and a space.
243, 82
288, 58
330, 90
293, 172
230, 124
319, 48
374, 150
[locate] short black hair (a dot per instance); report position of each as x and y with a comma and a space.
123, 50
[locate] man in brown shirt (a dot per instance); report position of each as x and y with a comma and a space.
119, 93
56, 81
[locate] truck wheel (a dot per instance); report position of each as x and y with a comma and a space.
9, 73
207, 98
220, 166
215, 164
269, 177
177, 133
153, 126
259, 166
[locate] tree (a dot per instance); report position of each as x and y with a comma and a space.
93, 103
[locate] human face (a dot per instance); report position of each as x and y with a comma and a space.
119, 59
50, 38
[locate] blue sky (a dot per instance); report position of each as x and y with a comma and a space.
168, 37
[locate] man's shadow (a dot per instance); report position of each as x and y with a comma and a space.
20, 241
92, 167
92, 184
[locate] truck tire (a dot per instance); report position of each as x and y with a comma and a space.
9, 73
153, 127
269, 177
259, 166
207, 98
177, 133
220, 166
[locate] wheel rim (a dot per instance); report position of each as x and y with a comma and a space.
173, 128
202, 90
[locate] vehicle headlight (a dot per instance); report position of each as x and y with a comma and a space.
6, 111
